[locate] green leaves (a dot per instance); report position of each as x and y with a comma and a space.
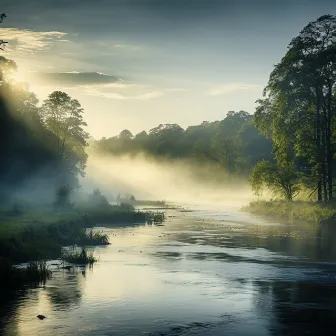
63, 116
280, 180
298, 107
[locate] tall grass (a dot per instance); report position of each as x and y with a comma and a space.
94, 238
15, 277
292, 211
74, 256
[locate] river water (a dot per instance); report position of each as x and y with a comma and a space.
207, 271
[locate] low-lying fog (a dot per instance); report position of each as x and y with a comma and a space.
153, 180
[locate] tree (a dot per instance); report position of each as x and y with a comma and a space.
281, 180
2, 42
298, 108
63, 116
24, 139
232, 145
7, 67
125, 135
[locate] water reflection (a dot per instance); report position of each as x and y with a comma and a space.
203, 273
64, 290
8, 313
298, 307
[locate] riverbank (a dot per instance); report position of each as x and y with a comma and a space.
41, 234
293, 211
35, 234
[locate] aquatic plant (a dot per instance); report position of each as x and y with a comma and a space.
94, 238
15, 277
74, 256
155, 217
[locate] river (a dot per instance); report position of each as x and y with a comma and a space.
207, 271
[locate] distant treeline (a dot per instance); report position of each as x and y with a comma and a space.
233, 144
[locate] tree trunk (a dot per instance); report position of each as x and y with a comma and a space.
324, 123
318, 147
329, 150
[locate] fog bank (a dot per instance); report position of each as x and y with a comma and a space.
170, 181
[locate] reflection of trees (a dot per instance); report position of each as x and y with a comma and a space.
65, 289
315, 242
326, 246
8, 313
12, 307
297, 307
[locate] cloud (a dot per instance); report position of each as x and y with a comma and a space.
120, 46
124, 46
176, 90
75, 78
228, 88
94, 91
149, 95
95, 84
28, 41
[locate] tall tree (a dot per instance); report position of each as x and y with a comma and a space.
298, 109
63, 116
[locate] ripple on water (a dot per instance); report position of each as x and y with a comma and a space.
208, 272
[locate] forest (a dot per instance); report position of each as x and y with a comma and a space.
233, 144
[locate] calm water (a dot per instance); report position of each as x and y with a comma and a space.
206, 272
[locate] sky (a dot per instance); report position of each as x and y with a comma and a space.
134, 64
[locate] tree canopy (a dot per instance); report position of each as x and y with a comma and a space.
234, 144
298, 108
43, 143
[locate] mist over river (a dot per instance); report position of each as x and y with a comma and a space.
210, 270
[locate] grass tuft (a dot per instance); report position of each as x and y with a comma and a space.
74, 256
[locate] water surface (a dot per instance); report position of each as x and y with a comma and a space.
208, 271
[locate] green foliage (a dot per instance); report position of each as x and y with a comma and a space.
97, 200
280, 180
292, 211
232, 144
298, 108
49, 141
63, 196
63, 116
93, 238
74, 256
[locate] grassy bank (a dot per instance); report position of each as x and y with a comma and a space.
40, 234
293, 211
